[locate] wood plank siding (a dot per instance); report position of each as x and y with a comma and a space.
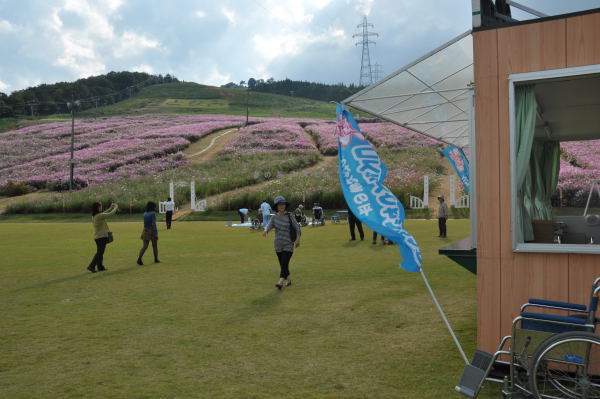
505, 279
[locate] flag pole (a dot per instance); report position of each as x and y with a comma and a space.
437, 304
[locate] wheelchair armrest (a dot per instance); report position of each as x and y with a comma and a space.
543, 303
551, 318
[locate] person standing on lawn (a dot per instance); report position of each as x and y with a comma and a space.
442, 215
101, 234
287, 237
352, 221
266, 212
169, 208
149, 233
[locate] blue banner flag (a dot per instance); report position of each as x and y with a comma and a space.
361, 177
460, 163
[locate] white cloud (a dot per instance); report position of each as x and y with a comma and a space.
79, 56
132, 44
229, 14
111, 5
291, 44
259, 72
215, 78
200, 14
6, 26
319, 4
362, 6
3, 86
293, 13
143, 68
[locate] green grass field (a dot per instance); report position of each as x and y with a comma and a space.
207, 322
193, 98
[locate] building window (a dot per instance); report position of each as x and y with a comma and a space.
555, 160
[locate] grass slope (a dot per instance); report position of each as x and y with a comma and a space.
208, 323
193, 98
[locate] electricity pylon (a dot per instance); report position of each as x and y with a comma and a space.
366, 74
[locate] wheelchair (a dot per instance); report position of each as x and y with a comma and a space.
301, 220
256, 222
549, 355
318, 216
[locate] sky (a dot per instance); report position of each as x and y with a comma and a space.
216, 42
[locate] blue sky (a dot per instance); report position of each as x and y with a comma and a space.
215, 42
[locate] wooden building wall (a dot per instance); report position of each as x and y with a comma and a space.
505, 279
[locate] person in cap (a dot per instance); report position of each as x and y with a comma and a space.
442, 215
287, 237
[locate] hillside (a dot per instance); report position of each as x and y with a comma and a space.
193, 98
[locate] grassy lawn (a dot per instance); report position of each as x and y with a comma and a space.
193, 98
208, 323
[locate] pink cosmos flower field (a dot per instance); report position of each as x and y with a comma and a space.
270, 136
105, 149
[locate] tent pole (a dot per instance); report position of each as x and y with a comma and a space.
472, 169
437, 304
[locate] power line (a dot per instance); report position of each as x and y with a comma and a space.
35, 104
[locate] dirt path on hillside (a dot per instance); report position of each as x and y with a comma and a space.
215, 199
208, 147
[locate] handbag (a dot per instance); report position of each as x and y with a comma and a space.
109, 237
293, 233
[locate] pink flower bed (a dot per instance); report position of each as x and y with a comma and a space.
379, 134
105, 148
270, 136
326, 137
394, 136
585, 156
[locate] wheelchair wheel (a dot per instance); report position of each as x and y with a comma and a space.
567, 365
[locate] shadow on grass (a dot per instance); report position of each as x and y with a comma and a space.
261, 305
98, 275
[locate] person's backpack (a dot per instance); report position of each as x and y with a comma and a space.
293, 233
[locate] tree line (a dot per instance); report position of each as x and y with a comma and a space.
316, 91
89, 92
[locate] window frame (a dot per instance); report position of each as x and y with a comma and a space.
533, 77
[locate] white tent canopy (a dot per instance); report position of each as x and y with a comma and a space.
429, 96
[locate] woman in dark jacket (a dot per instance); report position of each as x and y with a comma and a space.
287, 236
150, 232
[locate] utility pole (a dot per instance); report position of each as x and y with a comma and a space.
366, 74
31, 105
247, 109
72, 105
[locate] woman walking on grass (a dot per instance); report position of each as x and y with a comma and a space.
150, 232
287, 236
102, 235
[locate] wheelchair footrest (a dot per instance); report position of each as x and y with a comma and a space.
482, 359
474, 374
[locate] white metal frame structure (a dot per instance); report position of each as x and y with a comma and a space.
429, 95
434, 96
196, 206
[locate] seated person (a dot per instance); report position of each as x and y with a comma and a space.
317, 211
299, 214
